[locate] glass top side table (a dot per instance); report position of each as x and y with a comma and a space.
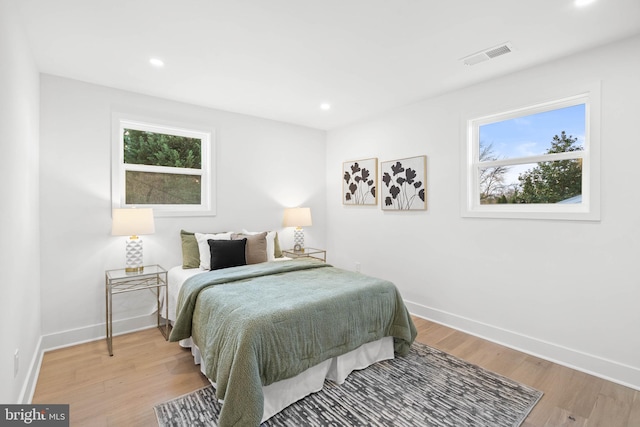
320, 254
120, 281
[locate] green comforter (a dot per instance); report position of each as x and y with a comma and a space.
261, 323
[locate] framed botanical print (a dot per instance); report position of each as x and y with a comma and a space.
360, 182
404, 184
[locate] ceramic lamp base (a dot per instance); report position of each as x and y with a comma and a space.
298, 238
133, 262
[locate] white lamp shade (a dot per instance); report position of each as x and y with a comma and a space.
297, 217
132, 222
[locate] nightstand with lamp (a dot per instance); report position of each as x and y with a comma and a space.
298, 218
135, 276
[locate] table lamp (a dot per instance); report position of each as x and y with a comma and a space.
133, 222
297, 217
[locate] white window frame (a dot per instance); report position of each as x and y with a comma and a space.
119, 168
588, 209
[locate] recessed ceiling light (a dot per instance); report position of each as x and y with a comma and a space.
581, 3
156, 62
325, 106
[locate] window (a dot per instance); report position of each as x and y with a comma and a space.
538, 162
163, 167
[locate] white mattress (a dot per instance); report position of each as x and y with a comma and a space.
281, 394
176, 276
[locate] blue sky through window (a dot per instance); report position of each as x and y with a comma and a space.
531, 135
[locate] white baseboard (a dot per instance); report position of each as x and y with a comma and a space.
29, 386
609, 370
77, 336
94, 332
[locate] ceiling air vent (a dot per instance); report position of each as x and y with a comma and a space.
487, 54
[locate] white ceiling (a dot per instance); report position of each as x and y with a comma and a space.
280, 59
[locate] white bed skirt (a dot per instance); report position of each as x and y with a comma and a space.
281, 394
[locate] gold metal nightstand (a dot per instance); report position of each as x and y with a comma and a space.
120, 281
320, 254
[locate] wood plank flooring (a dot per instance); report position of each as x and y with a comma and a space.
146, 370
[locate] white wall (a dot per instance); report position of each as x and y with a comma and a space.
262, 166
19, 228
568, 291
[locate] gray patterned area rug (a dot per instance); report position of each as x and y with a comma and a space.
426, 388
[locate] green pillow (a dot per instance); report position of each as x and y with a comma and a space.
190, 251
276, 247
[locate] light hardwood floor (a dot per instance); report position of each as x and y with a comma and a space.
145, 370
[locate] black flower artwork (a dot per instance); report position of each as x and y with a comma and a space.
403, 189
359, 183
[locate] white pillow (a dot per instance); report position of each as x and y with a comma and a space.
271, 244
203, 247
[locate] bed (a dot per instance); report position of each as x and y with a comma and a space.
268, 334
